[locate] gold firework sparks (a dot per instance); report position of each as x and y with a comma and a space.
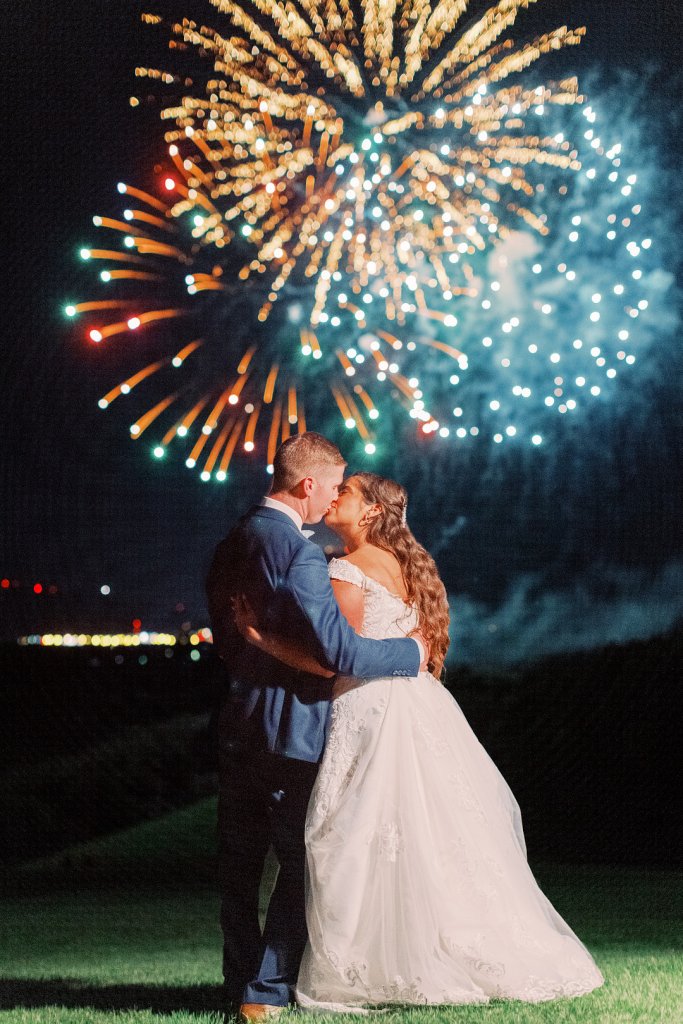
365, 152
361, 155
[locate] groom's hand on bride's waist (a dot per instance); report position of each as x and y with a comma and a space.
423, 648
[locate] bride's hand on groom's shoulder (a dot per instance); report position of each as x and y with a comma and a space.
246, 620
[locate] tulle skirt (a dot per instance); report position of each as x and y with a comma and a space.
418, 887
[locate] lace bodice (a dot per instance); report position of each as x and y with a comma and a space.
385, 615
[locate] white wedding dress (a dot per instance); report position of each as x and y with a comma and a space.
418, 887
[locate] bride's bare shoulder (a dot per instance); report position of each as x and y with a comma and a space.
370, 555
362, 558
380, 565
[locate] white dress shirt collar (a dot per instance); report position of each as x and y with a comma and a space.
269, 502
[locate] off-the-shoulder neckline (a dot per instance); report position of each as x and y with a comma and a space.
372, 579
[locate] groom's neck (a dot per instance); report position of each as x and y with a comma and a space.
289, 499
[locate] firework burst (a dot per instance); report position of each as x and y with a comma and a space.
378, 153
339, 172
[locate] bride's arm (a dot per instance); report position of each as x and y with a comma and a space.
350, 600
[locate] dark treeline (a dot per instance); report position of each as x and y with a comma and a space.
93, 741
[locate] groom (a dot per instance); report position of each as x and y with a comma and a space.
273, 719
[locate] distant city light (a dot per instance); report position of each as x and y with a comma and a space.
138, 639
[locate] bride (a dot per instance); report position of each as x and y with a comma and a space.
418, 887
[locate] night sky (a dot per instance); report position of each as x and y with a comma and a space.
587, 534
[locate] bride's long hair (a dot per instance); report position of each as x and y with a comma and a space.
420, 575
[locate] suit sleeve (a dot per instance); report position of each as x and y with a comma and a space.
220, 585
307, 583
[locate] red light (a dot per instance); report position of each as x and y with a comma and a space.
95, 335
169, 184
5, 584
37, 588
137, 625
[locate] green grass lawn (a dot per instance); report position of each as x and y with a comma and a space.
124, 931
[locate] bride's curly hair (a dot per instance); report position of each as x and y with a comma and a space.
424, 588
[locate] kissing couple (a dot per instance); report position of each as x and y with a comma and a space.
403, 877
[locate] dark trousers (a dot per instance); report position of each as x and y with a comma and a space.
263, 801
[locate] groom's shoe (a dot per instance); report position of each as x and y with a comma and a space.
258, 1013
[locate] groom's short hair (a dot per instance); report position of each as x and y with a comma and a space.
300, 456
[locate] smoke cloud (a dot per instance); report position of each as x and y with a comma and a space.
607, 606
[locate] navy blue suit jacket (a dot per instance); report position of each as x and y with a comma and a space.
269, 706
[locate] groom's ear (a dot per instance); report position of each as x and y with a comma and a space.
304, 488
